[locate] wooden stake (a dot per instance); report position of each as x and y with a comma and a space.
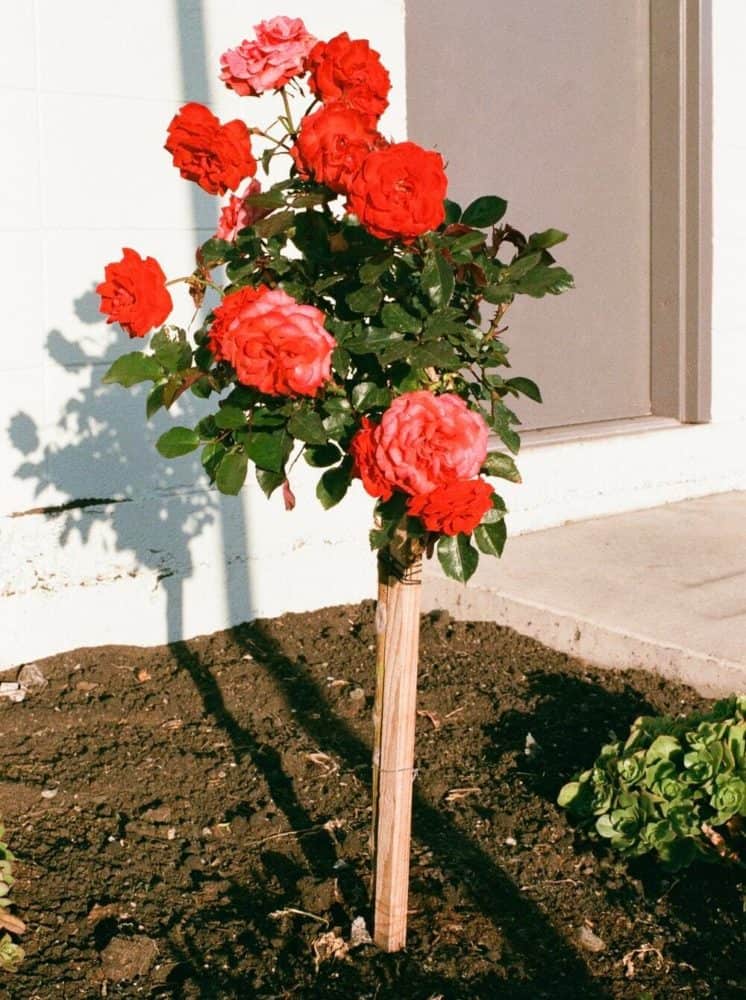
394, 717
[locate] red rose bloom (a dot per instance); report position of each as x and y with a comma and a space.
424, 441
349, 72
273, 342
134, 294
332, 144
217, 157
399, 191
364, 465
453, 508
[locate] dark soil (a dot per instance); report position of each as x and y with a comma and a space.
209, 832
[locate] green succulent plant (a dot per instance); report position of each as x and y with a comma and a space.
675, 788
11, 954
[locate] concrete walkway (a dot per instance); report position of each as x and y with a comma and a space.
663, 589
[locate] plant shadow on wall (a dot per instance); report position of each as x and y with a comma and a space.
100, 480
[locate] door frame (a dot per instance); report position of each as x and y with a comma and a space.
681, 208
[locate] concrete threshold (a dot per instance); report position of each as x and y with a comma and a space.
662, 589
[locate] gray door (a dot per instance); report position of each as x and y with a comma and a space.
547, 104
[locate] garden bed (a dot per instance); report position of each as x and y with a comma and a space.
210, 807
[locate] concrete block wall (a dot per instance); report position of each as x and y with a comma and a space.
86, 92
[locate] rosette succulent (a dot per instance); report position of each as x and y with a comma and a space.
675, 788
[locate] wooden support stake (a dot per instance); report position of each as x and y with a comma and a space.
394, 717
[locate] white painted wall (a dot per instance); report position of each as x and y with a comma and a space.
86, 90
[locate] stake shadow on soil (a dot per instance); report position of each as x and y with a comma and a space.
550, 966
563, 746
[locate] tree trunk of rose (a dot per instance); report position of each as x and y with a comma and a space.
394, 716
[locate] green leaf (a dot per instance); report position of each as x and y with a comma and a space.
452, 210
545, 281
496, 294
341, 361
214, 251
323, 455
154, 401
436, 354
171, 354
306, 425
266, 199
372, 270
334, 484
269, 450
484, 212
491, 537
457, 556
501, 465
396, 318
525, 386
568, 793
269, 481
437, 280
133, 368
468, 241
365, 300
367, 396
230, 418
273, 224
376, 338
177, 441
549, 238
231, 472
212, 453
521, 266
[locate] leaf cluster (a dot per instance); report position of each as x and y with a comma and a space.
675, 788
420, 315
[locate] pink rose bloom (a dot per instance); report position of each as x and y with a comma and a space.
238, 214
424, 441
273, 342
277, 54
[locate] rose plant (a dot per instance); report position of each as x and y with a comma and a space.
360, 314
359, 327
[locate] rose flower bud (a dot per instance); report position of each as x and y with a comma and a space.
134, 294
351, 73
454, 508
277, 54
332, 144
217, 157
398, 191
273, 342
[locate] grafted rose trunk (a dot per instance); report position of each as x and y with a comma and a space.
394, 717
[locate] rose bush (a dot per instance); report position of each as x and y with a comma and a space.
362, 333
